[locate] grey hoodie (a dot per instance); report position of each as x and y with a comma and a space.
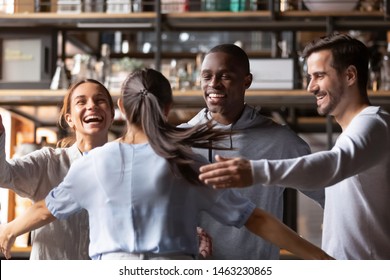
256, 137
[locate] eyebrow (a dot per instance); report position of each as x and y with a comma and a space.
99, 94
317, 73
79, 96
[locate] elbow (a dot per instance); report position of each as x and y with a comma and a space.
45, 215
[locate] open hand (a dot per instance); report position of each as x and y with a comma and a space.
227, 173
6, 242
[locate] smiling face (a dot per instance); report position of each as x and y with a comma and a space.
90, 111
326, 83
224, 83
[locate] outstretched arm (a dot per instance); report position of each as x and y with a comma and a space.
271, 229
227, 173
35, 217
1, 125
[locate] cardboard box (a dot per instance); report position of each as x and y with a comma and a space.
28, 6
24, 6
272, 73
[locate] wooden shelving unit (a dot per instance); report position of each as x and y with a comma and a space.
271, 20
182, 98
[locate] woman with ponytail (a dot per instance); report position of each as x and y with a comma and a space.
142, 192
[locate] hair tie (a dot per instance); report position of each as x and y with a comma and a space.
143, 92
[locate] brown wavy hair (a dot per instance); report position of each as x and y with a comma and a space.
67, 105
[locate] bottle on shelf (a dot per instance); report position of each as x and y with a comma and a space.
385, 67
374, 66
303, 83
185, 76
61, 77
118, 6
198, 64
69, 6
178, 6
93, 6
173, 75
42, 6
136, 6
243, 5
103, 66
215, 5
82, 68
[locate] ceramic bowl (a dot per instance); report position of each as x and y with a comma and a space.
331, 5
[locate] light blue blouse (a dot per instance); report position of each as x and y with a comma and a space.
137, 205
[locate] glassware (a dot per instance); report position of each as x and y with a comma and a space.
385, 67
60, 79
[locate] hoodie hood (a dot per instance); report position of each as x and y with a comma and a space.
250, 118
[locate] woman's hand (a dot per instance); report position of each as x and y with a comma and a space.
205, 243
7, 240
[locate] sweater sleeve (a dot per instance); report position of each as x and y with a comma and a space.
356, 150
78, 188
32, 175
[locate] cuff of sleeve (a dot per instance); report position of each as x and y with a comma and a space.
258, 171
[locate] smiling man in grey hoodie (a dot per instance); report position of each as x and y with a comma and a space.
225, 76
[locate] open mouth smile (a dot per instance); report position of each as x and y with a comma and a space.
93, 119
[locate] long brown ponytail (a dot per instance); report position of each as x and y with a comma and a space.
145, 93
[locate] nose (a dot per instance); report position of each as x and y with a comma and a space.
91, 104
312, 86
214, 81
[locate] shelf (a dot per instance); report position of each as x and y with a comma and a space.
272, 99
182, 99
145, 20
266, 20
252, 20
317, 14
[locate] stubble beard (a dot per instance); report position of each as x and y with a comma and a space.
334, 100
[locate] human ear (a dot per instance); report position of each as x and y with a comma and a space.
351, 75
69, 121
120, 106
248, 80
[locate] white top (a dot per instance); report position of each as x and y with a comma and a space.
137, 205
356, 216
33, 176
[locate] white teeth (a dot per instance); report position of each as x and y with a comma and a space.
215, 95
93, 118
320, 96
